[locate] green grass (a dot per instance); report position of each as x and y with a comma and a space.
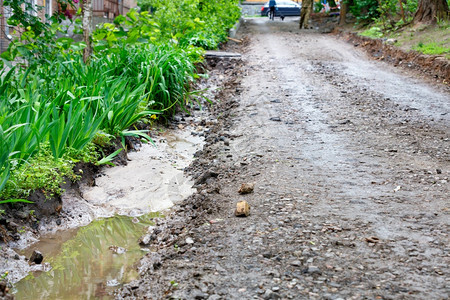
40, 172
373, 32
433, 48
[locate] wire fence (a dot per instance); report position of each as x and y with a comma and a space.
4, 40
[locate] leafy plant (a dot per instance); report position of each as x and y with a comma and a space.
53, 110
365, 11
373, 32
108, 159
432, 48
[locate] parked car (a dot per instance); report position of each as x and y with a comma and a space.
284, 8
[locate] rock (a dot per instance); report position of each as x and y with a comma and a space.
112, 282
391, 41
205, 176
4, 290
242, 209
117, 249
145, 240
197, 294
372, 239
36, 257
313, 270
296, 263
275, 119
269, 294
189, 240
246, 188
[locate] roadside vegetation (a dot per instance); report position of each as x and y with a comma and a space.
57, 109
420, 25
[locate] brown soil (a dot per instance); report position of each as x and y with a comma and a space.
437, 67
350, 161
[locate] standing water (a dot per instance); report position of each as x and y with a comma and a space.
99, 258
96, 259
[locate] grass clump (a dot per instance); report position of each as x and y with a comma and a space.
372, 32
433, 48
43, 172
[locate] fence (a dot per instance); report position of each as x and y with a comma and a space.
4, 31
102, 9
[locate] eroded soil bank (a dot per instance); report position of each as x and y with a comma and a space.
152, 180
350, 160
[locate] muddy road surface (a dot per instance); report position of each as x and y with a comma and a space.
351, 163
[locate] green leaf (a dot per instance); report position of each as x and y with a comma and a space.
15, 201
109, 158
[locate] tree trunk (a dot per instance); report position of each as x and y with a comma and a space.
429, 11
87, 28
343, 13
402, 12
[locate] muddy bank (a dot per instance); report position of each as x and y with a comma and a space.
435, 67
149, 179
215, 162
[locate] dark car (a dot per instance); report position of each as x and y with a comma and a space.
284, 8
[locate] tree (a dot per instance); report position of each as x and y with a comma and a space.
343, 13
87, 28
429, 11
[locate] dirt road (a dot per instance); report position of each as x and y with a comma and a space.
351, 162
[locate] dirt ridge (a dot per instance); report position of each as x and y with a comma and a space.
435, 66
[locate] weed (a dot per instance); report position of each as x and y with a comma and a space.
433, 48
4, 275
373, 32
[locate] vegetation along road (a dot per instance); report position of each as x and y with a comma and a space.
350, 163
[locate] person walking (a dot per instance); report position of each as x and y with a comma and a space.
272, 6
307, 6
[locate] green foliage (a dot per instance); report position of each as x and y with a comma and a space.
433, 48
373, 32
365, 10
44, 172
386, 13
318, 6
54, 109
203, 23
34, 40
14, 201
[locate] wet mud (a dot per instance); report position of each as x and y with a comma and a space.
149, 179
350, 162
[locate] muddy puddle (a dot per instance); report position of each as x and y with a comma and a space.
96, 249
92, 261
152, 181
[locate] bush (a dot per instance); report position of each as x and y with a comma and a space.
143, 64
